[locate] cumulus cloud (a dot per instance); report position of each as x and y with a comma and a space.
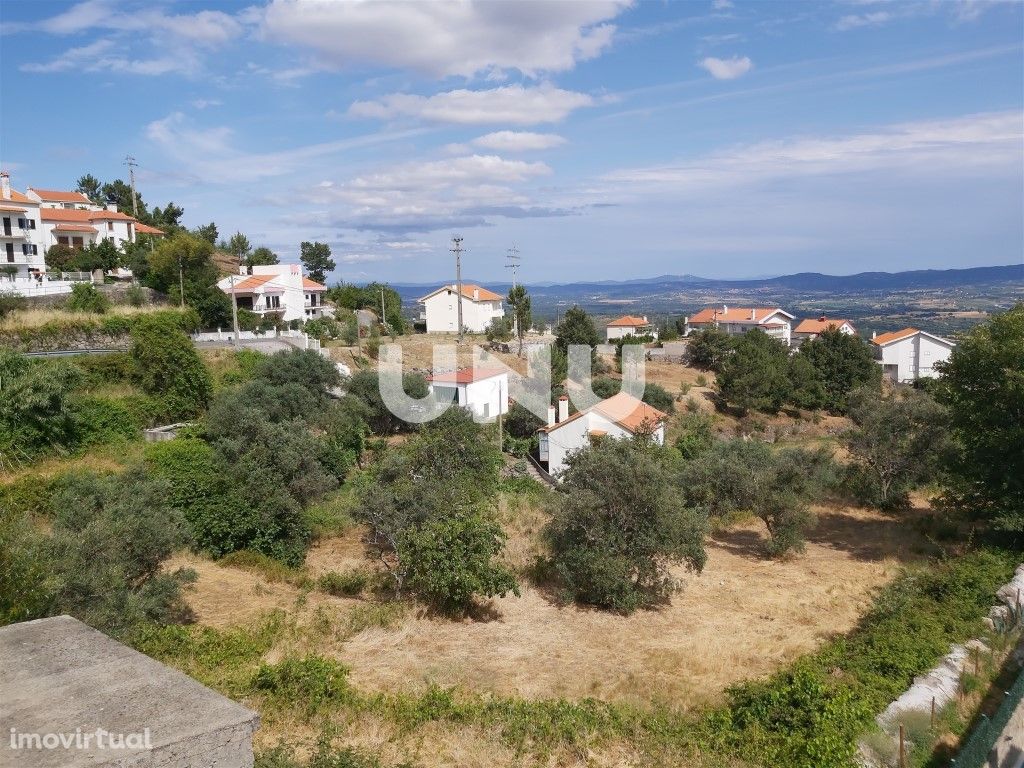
726, 69
447, 37
518, 141
511, 104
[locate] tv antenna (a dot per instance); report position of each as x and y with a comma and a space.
513, 262
457, 250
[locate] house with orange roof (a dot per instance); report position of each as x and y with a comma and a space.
479, 308
628, 325
910, 354
621, 416
735, 321
279, 289
20, 251
481, 391
810, 328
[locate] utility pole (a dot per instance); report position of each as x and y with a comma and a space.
234, 308
457, 250
383, 311
181, 280
130, 162
513, 264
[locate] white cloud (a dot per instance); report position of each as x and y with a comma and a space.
511, 104
973, 144
518, 141
211, 155
447, 37
204, 103
856, 21
720, 5
727, 69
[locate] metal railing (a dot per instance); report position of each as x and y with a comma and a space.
974, 751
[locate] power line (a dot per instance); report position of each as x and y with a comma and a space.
513, 258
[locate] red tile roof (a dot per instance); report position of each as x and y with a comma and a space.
18, 197
109, 215
628, 321
821, 324
312, 285
733, 315
148, 230
75, 228
13, 208
467, 292
64, 214
622, 409
57, 196
466, 375
885, 338
251, 283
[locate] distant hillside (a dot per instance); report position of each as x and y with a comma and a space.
863, 282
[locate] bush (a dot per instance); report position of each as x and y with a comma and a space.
364, 386
135, 296
85, 298
110, 368
101, 420
620, 524
311, 684
168, 367
451, 561
348, 584
697, 435
34, 414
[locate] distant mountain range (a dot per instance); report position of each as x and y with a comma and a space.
863, 282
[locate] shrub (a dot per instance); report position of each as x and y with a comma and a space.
620, 524
311, 684
100, 420
451, 561
168, 367
697, 435
364, 386
134, 296
348, 584
34, 414
110, 368
85, 298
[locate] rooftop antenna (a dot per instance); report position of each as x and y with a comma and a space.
130, 162
513, 264
457, 250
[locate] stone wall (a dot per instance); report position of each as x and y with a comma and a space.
116, 292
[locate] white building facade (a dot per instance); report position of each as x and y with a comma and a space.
20, 231
628, 325
910, 354
481, 391
620, 416
735, 321
812, 328
479, 307
277, 289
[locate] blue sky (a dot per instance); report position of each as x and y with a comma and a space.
604, 139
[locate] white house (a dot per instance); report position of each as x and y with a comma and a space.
738, 320
628, 325
810, 328
910, 354
620, 416
19, 234
483, 391
277, 288
479, 307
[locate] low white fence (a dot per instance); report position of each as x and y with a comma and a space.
30, 288
303, 340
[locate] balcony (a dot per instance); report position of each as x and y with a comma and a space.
16, 233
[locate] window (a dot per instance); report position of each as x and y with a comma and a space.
110, 226
63, 240
7, 225
78, 243
10, 252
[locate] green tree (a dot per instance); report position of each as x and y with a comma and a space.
709, 348
207, 232
740, 476
621, 524
35, 414
696, 435
897, 442
239, 247
808, 388
844, 363
364, 386
119, 192
168, 367
90, 186
499, 330
167, 218
194, 257
261, 256
982, 387
756, 375
316, 258
577, 327
519, 300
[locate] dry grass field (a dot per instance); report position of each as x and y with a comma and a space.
744, 616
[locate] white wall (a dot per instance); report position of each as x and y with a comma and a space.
485, 399
31, 235
916, 356
442, 311
575, 435
613, 332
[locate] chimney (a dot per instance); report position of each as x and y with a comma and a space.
551, 415
476, 294
725, 309
242, 269
563, 408
821, 319
111, 206
645, 318
873, 334
753, 314
5, 185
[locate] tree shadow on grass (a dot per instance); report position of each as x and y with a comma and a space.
870, 537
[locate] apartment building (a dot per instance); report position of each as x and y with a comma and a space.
278, 289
